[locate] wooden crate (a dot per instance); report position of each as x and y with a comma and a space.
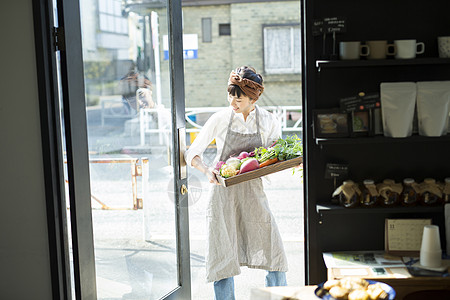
279, 166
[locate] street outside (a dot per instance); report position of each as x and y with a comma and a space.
130, 267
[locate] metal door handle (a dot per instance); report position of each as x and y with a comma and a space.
183, 189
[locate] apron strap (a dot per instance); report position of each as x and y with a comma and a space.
231, 121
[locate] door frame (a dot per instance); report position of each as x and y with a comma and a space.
75, 125
50, 121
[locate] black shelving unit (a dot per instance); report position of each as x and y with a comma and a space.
326, 64
381, 139
333, 228
333, 209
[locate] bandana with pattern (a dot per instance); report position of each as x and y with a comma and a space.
250, 88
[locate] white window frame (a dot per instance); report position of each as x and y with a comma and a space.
110, 17
293, 69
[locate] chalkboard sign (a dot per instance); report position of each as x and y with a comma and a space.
360, 102
329, 25
334, 24
336, 171
317, 27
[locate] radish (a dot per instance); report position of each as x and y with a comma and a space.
242, 155
249, 165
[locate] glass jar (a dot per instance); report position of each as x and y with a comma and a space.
349, 195
389, 192
410, 194
369, 194
446, 191
431, 194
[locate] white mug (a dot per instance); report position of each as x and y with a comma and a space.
379, 49
444, 46
407, 49
352, 50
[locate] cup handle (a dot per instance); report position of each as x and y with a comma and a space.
392, 47
364, 50
420, 46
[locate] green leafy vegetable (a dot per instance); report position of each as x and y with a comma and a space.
289, 147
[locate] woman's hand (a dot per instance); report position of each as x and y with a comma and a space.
209, 172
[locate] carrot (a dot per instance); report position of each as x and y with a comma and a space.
268, 162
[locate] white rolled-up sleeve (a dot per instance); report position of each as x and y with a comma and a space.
274, 132
204, 138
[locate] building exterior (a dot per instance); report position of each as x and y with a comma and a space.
262, 34
221, 35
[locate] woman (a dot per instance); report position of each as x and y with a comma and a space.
241, 228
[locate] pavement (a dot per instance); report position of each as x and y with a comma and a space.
130, 267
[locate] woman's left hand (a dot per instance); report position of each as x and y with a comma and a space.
212, 176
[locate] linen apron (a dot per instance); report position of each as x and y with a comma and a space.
241, 228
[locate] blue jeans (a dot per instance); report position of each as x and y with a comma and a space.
224, 289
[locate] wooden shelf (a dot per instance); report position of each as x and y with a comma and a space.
328, 64
382, 139
337, 210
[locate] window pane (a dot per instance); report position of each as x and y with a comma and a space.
110, 23
102, 6
224, 29
277, 54
117, 8
109, 7
118, 24
103, 22
297, 50
206, 30
130, 141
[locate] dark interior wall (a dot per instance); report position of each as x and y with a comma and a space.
24, 253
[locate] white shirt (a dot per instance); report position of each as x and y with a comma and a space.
217, 125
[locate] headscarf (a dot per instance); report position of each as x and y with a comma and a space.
249, 87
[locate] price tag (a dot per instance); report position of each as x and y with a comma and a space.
317, 27
336, 171
335, 24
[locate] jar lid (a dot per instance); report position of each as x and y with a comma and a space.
348, 182
368, 181
408, 180
389, 181
429, 180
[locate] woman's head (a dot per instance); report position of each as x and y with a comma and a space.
245, 81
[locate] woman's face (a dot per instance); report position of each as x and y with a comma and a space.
242, 105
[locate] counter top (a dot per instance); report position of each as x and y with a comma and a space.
285, 293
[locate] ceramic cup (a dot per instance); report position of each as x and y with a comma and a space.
444, 46
352, 50
407, 49
430, 250
379, 49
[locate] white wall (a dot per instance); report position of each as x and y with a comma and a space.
24, 252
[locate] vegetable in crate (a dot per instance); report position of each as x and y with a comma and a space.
249, 165
234, 162
228, 171
289, 147
243, 155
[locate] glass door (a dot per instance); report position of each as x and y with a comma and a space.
123, 101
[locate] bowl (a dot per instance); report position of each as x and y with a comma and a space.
387, 288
